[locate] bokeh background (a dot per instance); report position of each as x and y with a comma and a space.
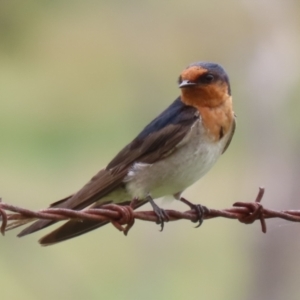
79, 79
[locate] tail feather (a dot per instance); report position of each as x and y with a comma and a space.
38, 225
71, 229
41, 224
74, 228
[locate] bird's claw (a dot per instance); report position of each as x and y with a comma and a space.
162, 217
161, 214
200, 210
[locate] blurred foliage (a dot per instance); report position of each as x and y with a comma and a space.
79, 79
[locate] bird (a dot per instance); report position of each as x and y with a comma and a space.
170, 154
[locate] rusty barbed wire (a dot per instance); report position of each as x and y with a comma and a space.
123, 217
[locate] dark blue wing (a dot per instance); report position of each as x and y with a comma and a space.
176, 113
158, 137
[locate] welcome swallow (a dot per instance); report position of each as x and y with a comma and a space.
171, 153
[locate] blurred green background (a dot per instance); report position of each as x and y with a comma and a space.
79, 79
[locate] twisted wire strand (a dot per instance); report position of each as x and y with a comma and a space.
123, 217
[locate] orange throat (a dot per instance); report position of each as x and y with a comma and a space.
215, 108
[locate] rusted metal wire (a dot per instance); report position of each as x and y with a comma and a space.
123, 217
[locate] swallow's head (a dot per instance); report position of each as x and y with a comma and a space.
204, 84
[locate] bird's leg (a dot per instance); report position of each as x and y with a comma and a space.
133, 202
160, 213
199, 209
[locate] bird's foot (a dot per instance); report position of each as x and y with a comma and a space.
199, 209
161, 214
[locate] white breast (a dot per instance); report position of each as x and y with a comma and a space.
195, 155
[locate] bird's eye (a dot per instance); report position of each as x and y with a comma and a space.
207, 78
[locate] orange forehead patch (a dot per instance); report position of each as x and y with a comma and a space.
192, 73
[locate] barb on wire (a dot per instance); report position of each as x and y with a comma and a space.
123, 217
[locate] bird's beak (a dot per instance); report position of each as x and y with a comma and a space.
186, 83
